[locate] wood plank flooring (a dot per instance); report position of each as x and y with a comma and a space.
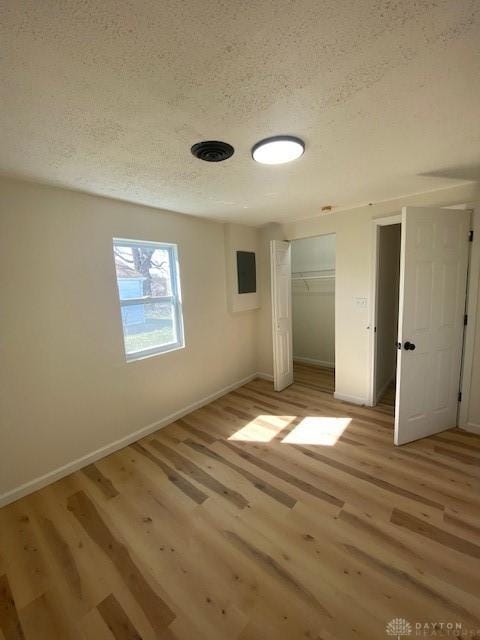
323, 379
313, 377
262, 516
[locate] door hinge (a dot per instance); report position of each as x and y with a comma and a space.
465, 319
399, 345
470, 235
459, 396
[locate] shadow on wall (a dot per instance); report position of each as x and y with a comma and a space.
469, 174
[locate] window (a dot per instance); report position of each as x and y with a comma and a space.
150, 300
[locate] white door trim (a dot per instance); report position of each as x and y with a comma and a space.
471, 310
372, 317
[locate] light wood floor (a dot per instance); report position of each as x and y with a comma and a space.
249, 519
316, 378
323, 379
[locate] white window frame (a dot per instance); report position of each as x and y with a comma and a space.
175, 299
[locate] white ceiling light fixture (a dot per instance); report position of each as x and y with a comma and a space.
278, 150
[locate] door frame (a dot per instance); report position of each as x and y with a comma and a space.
473, 293
372, 319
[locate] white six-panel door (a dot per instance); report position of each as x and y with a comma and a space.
433, 276
281, 274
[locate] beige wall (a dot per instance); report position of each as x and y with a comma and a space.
388, 281
314, 324
65, 388
314, 254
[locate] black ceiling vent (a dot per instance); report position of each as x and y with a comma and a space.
212, 150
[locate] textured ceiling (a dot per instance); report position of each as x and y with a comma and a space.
107, 96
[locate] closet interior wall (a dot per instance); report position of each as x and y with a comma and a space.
313, 300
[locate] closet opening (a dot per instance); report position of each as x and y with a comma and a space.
385, 328
313, 312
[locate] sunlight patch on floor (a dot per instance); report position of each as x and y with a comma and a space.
319, 430
263, 429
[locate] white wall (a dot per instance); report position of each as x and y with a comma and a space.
65, 388
314, 325
313, 301
388, 281
353, 271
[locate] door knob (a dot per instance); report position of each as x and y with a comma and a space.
409, 346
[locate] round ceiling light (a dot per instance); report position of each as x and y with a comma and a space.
278, 150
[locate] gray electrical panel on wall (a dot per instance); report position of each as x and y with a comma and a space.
246, 272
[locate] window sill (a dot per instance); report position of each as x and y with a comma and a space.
144, 356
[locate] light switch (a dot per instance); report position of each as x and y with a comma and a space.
361, 303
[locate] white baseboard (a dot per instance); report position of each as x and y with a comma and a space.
265, 376
79, 463
472, 427
314, 361
351, 399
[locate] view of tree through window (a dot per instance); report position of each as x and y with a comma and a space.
147, 277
